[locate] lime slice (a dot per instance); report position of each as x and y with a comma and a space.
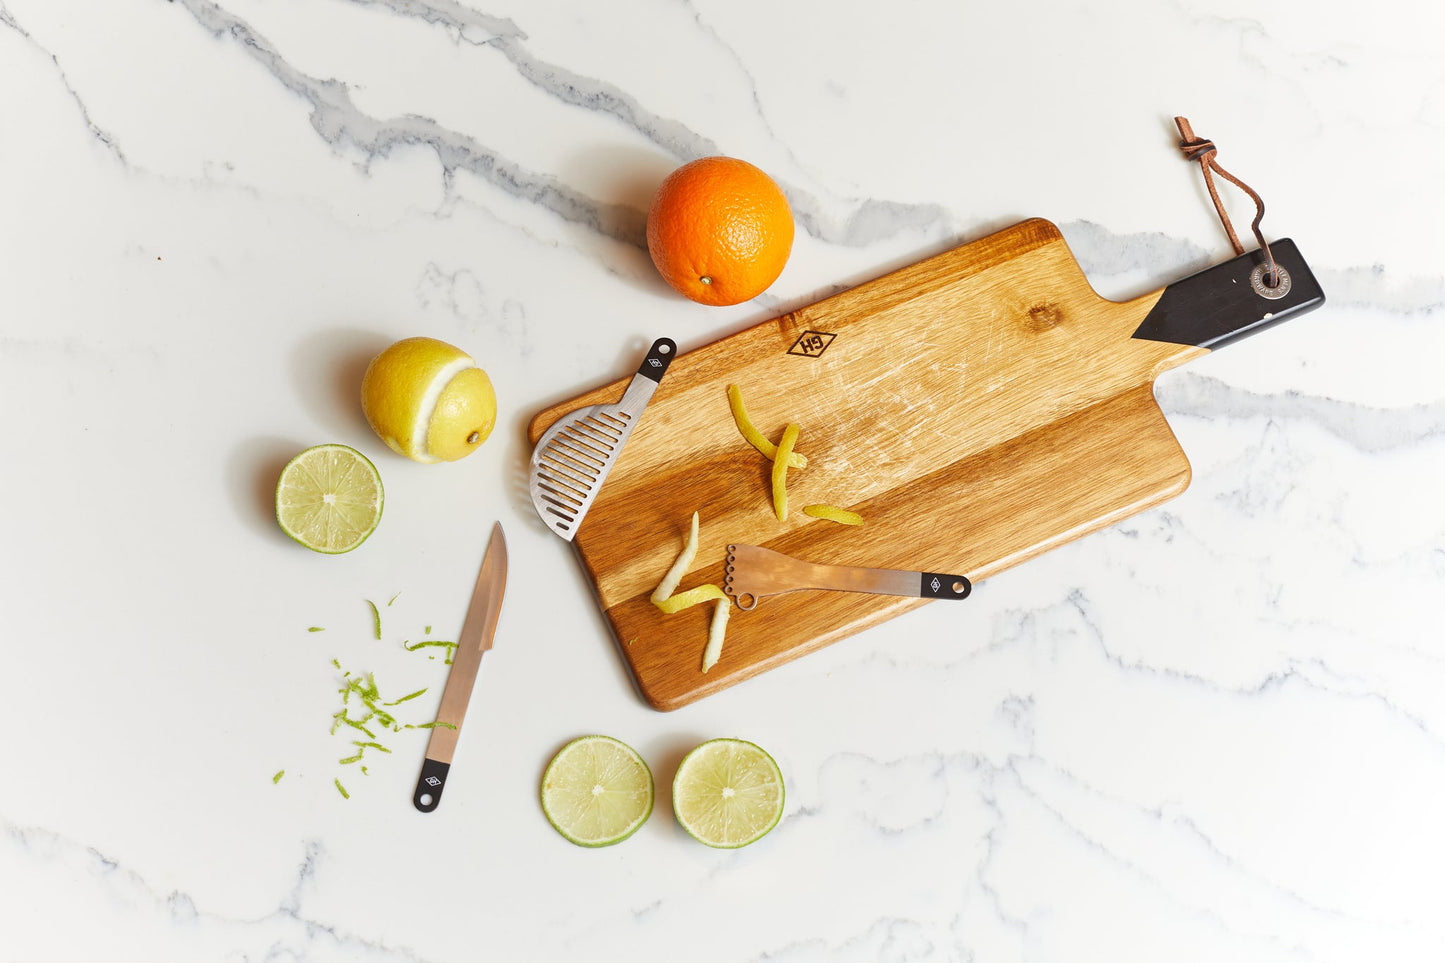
329, 498
597, 791
728, 793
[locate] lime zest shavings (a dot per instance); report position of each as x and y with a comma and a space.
409, 696
357, 724
451, 647
315, 628
277, 778
366, 711
361, 748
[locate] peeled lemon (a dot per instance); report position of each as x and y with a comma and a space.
428, 400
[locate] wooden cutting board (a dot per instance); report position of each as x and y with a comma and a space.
976, 408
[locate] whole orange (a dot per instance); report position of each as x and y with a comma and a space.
719, 230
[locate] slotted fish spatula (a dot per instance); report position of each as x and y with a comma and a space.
571, 460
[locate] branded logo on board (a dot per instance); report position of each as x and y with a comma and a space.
811, 344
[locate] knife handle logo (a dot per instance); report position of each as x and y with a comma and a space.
429, 785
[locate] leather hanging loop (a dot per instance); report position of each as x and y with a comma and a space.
1202, 149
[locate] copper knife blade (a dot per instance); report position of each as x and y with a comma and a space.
475, 639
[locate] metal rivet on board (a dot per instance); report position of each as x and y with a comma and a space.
1281, 287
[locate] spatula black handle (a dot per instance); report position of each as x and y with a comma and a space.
659, 356
429, 785
936, 585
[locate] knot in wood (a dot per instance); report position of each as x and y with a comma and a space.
1042, 317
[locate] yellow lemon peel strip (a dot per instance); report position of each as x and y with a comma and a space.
840, 515
669, 603
674, 575
754, 437
686, 600
715, 634
780, 471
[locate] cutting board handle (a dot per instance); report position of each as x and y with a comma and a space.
1232, 300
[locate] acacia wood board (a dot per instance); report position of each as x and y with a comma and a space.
977, 408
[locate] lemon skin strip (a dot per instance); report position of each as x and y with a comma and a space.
780, 471
827, 512
686, 600
754, 437
674, 575
715, 635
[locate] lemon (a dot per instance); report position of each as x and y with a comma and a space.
428, 400
329, 498
597, 791
728, 793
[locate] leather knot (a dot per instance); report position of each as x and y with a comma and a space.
1202, 149
1197, 149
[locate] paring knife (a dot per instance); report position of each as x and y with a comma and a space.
754, 572
575, 455
475, 639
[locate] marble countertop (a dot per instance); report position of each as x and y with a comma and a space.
1214, 731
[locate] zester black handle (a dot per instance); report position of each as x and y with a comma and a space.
936, 585
659, 356
429, 785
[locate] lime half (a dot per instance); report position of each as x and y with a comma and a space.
329, 498
597, 791
728, 793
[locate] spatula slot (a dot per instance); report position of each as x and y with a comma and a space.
589, 441
583, 468
598, 431
587, 458
561, 495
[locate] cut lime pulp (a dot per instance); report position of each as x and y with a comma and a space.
329, 498
597, 791
728, 793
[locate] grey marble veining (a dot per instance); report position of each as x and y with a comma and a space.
1209, 732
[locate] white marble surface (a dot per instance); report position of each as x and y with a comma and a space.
1213, 732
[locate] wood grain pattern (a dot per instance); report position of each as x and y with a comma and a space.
977, 408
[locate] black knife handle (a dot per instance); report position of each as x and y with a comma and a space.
659, 356
429, 785
936, 585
